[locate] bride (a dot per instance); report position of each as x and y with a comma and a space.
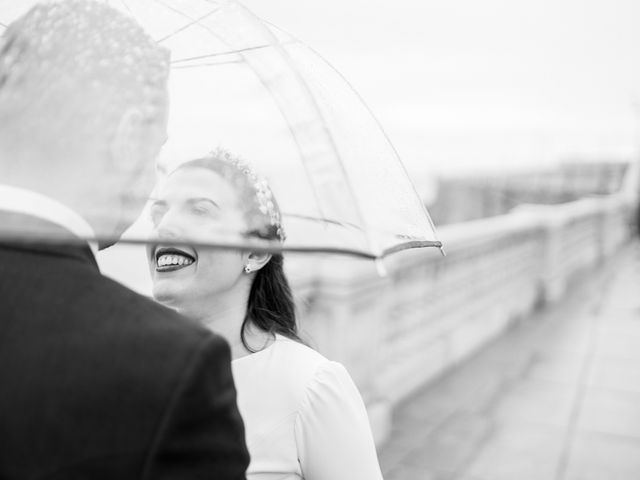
304, 417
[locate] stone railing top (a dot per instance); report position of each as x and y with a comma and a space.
335, 272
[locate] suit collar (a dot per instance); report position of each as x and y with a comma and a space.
27, 202
30, 233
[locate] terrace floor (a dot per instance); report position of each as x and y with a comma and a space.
557, 397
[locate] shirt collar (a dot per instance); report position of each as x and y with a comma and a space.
27, 202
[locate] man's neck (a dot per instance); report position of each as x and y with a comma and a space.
22, 201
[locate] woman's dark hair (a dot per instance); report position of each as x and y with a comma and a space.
270, 306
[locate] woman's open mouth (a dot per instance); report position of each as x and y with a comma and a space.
169, 259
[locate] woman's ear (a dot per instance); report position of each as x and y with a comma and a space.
255, 261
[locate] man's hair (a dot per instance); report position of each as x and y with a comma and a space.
74, 57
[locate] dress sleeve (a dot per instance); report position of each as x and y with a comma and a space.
332, 430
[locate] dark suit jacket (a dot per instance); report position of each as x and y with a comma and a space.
97, 382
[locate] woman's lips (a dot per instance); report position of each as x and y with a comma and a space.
170, 259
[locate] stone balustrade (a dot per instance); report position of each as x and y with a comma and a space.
398, 332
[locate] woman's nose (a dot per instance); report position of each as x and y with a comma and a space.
168, 227
164, 233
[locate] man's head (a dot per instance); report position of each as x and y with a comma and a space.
83, 107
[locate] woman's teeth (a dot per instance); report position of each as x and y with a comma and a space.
170, 260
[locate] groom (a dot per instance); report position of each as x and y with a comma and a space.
96, 382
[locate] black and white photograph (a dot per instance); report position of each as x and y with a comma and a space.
319, 240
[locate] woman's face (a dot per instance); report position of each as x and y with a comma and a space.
194, 204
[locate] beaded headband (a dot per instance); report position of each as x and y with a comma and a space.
265, 199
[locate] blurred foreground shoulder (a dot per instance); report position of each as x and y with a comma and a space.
201, 434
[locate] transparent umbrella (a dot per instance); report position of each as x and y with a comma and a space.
239, 83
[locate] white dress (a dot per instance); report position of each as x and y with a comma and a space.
303, 415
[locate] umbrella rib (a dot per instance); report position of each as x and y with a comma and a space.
303, 85
325, 127
184, 27
406, 241
175, 10
379, 125
220, 54
127, 7
211, 64
413, 244
322, 219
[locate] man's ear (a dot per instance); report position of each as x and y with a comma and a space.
128, 141
130, 152
256, 260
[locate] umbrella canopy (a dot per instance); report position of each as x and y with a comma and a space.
241, 85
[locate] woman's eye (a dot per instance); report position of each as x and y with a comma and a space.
203, 209
199, 210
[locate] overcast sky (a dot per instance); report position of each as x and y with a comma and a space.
458, 84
